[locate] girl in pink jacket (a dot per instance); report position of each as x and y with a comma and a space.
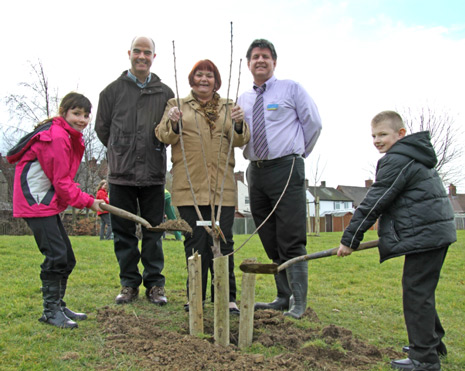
47, 162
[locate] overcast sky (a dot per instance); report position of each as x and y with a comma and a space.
354, 57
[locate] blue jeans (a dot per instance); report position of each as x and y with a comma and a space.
105, 221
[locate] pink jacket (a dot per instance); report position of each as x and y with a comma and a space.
44, 174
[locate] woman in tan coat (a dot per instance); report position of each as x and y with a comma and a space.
203, 115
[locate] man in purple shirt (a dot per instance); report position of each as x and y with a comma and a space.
285, 125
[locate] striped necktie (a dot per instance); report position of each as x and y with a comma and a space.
260, 144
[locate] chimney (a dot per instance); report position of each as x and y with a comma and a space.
368, 183
323, 183
239, 176
452, 190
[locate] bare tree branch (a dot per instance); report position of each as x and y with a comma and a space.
445, 136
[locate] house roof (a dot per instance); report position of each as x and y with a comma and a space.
338, 213
458, 203
328, 194
357, 194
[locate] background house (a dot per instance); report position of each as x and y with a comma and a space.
458, 204
335, 208
356, 194
243, 221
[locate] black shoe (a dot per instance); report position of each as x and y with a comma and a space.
297, 276
277, 304
186, 306
73, 315
234, 311
68, 312
53, 312
413, 365
284, 293
441, 349
58, 319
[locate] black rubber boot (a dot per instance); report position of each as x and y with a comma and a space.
68, 312
297, 275
284, 292
53, 314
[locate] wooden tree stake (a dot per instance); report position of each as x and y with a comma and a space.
247, 309
221, 285
195, 294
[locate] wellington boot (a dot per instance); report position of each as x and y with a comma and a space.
53, 313
297, 275
284, 292
68, 312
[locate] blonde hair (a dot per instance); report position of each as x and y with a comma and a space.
391, 117
100, 185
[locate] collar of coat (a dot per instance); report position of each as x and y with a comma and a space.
195, 104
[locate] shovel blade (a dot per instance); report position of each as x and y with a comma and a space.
248, 267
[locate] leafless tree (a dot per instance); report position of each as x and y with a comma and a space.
94, 165
36, 101
316, 174
445, 137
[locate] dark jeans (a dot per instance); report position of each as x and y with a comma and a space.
201, 241
284, 234
419, 281
150, 201
54, 244
105, 221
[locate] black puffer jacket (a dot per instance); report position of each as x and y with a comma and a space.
410, 200
125, 124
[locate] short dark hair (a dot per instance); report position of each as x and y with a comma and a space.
206, 65
262, 44
74, 100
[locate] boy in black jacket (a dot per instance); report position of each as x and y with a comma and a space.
416, 219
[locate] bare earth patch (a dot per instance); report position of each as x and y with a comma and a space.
330, 348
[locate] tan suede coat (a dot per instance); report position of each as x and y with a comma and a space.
203, 173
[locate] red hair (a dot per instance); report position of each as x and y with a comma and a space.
206, 65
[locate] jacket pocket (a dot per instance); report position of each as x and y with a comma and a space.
394, 232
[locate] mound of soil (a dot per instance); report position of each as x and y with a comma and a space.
330, 348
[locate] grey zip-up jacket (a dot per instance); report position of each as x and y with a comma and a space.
125, 124
408, 196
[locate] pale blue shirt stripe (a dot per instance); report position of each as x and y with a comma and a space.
292, 121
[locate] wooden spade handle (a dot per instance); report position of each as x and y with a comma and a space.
325, 253
125, 214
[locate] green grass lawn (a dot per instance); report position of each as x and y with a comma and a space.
355, 292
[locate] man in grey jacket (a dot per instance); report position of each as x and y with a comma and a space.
128, 111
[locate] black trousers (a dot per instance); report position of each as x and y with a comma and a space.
201, 241
419, 281
54, 244
284, 234
151, 202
